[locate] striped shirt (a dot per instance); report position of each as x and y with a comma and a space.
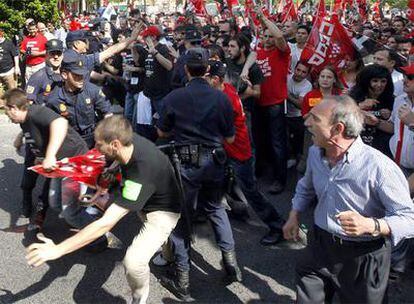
365, 181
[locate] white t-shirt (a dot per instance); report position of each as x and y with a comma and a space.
398, 80
299, 89
295, 54
407, 148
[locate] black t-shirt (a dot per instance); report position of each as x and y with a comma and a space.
7, 53
157, 79
255, 77
148, 180
36, 130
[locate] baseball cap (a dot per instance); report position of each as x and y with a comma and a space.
72, 62
75, 35
54, 45
217, 68
192, 36
408, 70
151, 31
197, 56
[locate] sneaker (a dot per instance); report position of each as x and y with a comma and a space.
160, 261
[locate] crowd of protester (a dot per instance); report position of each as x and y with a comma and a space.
86, 68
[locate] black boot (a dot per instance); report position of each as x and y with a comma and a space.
179, 285
27, 204
230, 265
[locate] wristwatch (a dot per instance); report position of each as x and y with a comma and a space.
377, 229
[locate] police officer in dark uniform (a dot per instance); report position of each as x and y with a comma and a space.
192, 39
38, 87
79, 101
43, 81
200, 118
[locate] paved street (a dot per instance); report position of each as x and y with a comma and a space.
82, 277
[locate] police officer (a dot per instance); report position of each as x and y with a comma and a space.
200, 118
79, 101
192, 39
42, 82
77, 43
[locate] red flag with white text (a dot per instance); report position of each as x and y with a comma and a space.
328, 44
289, 12
196, 6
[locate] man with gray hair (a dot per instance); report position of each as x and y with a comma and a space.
363, 204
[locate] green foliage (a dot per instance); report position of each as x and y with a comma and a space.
13, 13
396, 3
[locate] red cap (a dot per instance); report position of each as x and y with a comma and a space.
151, 31
408, 70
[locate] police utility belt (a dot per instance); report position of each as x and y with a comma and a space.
192, 155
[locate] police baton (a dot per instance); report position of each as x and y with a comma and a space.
171, 150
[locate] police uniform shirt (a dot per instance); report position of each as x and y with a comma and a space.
80, 109
148, 180
198, 114
36, 130
41, 83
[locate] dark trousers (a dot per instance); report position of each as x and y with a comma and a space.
208, 179
296, 131
271, 140
357, 271
245, 178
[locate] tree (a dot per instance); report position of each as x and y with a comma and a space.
13, 13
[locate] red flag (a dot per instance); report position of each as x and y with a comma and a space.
196, 6
321, 11
82, 168
328, 44
410, 10
289, 12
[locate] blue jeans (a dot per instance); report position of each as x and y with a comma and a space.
130, 105
271, 135
209, 179
245, 178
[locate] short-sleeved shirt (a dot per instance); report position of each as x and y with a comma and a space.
313, 98
275, 67
80, 109
7, 53
36, 43
198, 114
36, 130
255, 77
157, 81
240, 149
148, 180
41, 83
299, 90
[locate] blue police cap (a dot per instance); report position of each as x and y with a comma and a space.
73, 63
197, 56
75, 35
54, 45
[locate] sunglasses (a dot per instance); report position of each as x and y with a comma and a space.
409, 77
267, 36
55, 53
195, 43
223, 32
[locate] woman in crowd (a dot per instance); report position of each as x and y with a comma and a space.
328, 84
351, 70
373, 92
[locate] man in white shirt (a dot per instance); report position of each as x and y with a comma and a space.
389, 59
298, 86
296, 49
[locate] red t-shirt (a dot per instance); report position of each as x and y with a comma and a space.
240, 149
313, 98
36, 43
275, 67
74, 25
